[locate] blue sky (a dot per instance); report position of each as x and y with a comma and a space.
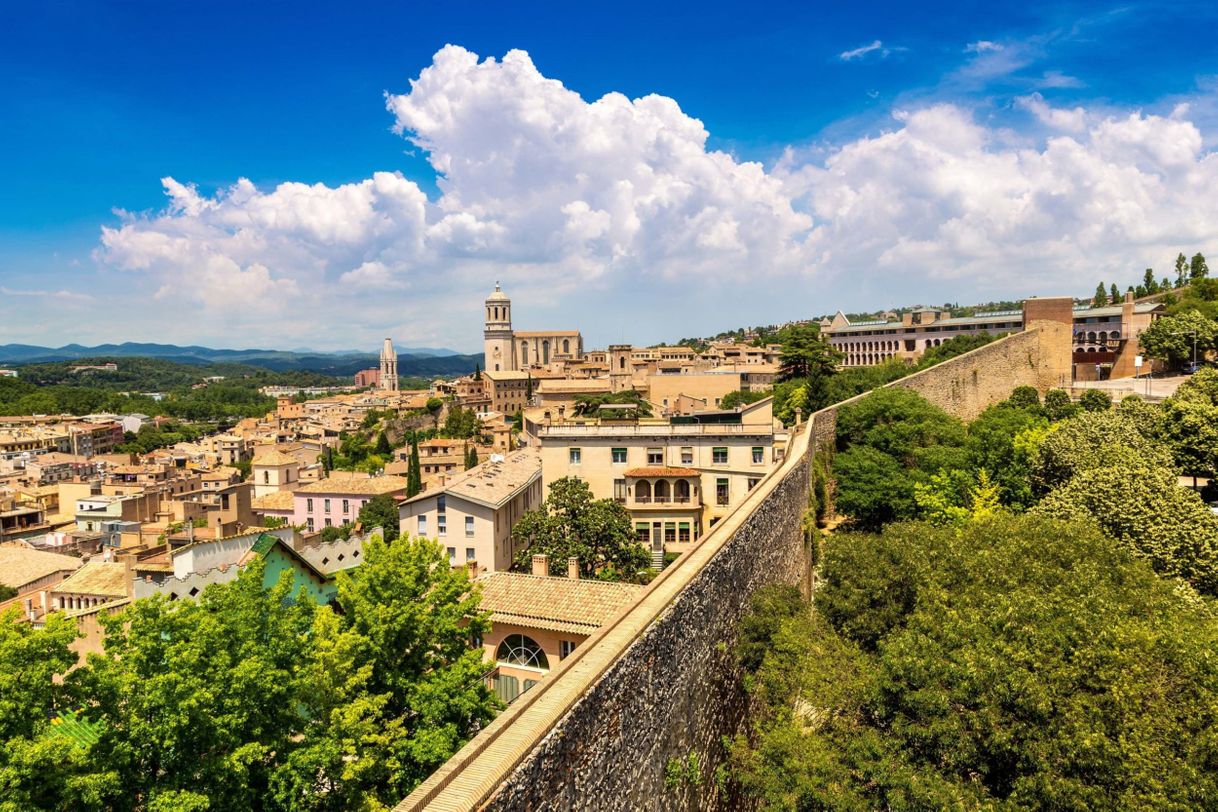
100, 101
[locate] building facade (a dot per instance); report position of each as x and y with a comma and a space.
507, 350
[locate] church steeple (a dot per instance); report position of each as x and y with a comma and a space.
498, 346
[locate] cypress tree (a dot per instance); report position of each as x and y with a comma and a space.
414, 474
1115, 294
1101, 296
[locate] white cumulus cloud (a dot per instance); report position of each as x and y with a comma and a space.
623, 197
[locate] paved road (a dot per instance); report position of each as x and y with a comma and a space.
1146, 387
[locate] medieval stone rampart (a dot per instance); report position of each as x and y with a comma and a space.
635, 718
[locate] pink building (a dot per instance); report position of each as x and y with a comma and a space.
368, 377
336, 500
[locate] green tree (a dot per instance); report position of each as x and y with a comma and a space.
570, 523
1171, 338
1100, 299
1058, 405
738, 398
1197, 269
1148, 281
805, 354
418, 620
1090, 441
1181, 270
1024, 397
414, 470
383, 447
991, 445
1144, 507
1095, 400
381, 511
1114, 294
471, 457
970, 668
1190, 424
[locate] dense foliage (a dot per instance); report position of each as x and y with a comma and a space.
1014, 661
900, 458
250, 698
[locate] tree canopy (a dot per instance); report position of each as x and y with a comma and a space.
1015, 661
571, 523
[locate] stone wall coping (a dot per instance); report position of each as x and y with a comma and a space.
471, 777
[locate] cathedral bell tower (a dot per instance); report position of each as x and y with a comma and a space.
497, 336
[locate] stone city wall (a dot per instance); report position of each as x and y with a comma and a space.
658, 685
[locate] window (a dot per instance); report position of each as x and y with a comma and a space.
517, 649
758, 455
619, 490
642, 533
452, 556
687, 455
442, 524
266, 477
423, 525
719, 455
308, 523
346, 507
670, 532
309, 505
327, 508
655, 456
505, 687
469, 525
753, 482
328, 522
470, 554
565, 647
721, 491
441, 506
619, 455
574, 456
683, 532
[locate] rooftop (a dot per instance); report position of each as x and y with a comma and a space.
97, 578
362, 486
272, 456
494, 482
506, 375
21, 565
575, 605
279, 500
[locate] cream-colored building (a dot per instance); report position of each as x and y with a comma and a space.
272, 470
508, 391
676, 478
508, 350
473, 513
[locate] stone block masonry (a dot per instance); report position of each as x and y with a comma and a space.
659, 682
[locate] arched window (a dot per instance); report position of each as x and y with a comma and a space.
682, 490
545, 351
524, 353
661, 490
516, 649
621, 362
566, 346
642, 491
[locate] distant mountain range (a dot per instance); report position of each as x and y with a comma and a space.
421, 362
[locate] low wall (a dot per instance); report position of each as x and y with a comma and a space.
659, 682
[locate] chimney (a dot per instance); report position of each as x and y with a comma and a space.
573, 568
541, 565
472, 568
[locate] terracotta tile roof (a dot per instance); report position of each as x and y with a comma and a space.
362, 486
493, 482
561, 604
272, 456
279, 500
21, 565
662, 470
97, 578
